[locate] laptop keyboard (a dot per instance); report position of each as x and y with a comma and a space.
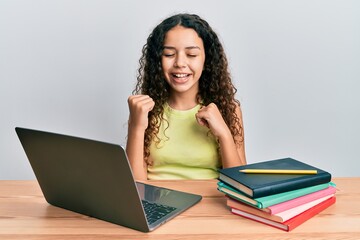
155, 211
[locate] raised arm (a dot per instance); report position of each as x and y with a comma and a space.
231, 154
139, 107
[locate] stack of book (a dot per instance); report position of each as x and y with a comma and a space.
282, 193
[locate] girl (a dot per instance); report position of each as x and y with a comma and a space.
184, 122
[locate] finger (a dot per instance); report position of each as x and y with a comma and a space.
146, 104
202, 109
201, 120
137, 98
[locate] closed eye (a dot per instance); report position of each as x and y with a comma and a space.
168, 54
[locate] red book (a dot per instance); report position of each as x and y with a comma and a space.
293, 222
277, 217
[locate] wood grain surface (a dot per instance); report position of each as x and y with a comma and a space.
24, 214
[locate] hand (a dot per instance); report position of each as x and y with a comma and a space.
139, 107
211, 117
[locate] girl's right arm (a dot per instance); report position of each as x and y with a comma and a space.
139, 107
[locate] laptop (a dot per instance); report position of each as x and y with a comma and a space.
95, 179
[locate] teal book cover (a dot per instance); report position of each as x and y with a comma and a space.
264, 202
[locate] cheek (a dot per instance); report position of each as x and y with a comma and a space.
166, 64
165, 69
199, 67
201, 64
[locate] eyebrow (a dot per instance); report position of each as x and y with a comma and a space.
190, 47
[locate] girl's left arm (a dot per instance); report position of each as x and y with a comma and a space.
241, 139
231, 154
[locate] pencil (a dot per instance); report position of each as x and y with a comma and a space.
278, 171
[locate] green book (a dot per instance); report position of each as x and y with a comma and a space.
264, 202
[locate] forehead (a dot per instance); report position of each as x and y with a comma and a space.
180, 36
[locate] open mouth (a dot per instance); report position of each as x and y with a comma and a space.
181, 75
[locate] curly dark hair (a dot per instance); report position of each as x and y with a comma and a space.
215, 85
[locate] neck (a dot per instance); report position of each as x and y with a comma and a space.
182, 102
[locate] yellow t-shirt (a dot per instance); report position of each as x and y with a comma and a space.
187, 150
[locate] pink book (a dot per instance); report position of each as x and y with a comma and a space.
293, 222
281, 207
278, 217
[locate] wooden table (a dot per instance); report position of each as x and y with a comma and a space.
24, 214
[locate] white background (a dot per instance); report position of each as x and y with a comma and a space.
69, 66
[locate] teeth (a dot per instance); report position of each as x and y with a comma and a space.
180, 75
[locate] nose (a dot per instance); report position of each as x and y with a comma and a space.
180, 61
